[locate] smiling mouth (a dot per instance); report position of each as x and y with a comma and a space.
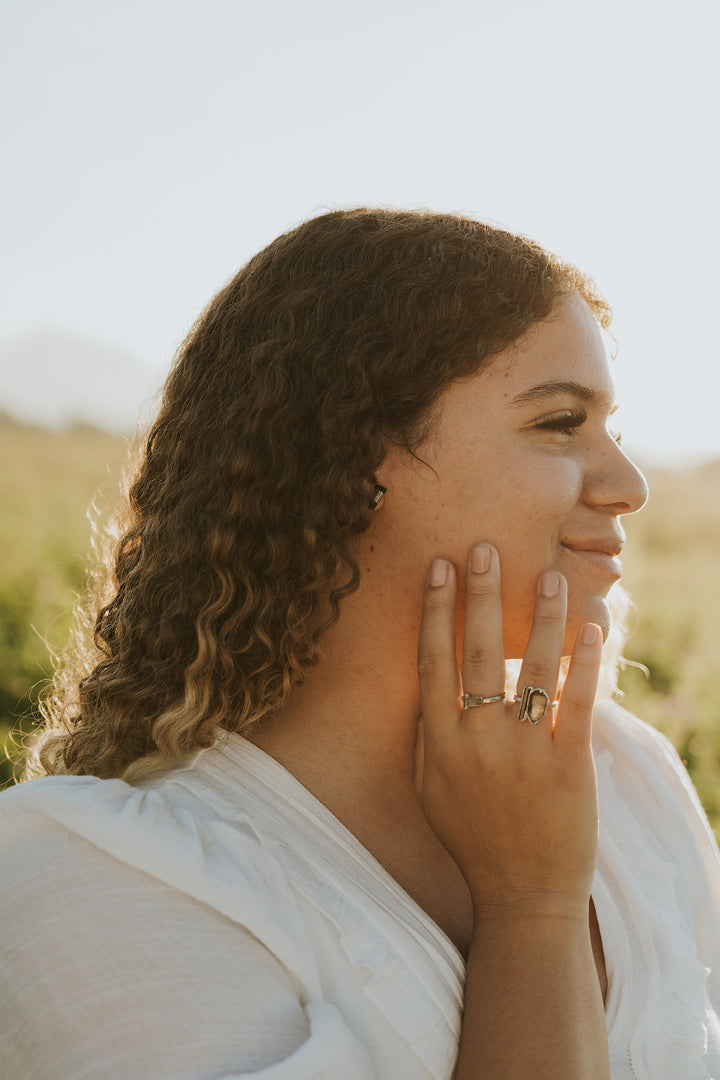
602, 560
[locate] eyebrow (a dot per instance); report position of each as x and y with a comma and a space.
554, 389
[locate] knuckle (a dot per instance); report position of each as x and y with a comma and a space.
481, 589
435, 600
537, 675
575, 702
589, 663
475, 654
441, 758
429, 664
545, 616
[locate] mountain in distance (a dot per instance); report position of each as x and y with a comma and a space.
53, 379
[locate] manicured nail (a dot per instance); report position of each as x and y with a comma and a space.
438, 573
589, 633
480, 559
549, 583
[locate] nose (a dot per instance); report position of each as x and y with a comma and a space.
616, 483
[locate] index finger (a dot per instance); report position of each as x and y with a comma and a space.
437, 659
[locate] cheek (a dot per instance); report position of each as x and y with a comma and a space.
524, 514
524, 511
517, 499
522, 505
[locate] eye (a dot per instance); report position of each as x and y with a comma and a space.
566, 422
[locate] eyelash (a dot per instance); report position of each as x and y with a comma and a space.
568, 423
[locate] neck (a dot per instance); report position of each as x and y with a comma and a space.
350, 735
349, 732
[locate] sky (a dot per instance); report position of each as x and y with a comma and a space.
152, 146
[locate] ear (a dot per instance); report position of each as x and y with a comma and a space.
376, 499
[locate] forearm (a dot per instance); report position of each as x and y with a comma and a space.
533, 1007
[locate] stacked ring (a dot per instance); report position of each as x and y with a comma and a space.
534, 704
474, 701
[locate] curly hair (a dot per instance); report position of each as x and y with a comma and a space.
236, 542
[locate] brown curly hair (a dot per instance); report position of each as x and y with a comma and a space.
236, 547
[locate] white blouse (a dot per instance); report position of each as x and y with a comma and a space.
220, 923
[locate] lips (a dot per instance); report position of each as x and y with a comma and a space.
600, 552
609, 545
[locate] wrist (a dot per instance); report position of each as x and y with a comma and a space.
532, 907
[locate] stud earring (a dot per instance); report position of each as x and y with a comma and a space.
376, 499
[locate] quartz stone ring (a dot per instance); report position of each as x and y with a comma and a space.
474, 701
534, 704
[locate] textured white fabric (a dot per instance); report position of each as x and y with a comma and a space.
220, 923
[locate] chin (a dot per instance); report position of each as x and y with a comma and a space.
596, 611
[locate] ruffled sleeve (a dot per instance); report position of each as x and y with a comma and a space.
329, 1052
142, 940
658, 899
660, 780
702, 848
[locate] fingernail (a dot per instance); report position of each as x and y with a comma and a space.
480, 559
438, 573
549, 583
589, 633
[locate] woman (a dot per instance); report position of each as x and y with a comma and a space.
267, 846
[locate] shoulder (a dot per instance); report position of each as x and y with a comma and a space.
32, 837
107, 963
626, 726
646, 794
641, 751
628, 737
121, 914
149, 827
644, 764
639, 768
109, 835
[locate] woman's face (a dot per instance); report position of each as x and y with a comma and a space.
523, 455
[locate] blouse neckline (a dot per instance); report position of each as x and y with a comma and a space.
260, 771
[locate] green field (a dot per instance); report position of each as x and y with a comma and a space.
671, 565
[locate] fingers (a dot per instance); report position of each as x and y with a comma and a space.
483, 669
483, 659
483, 666
437, 662
541, 665
574, 722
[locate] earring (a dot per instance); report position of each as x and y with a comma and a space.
376, 499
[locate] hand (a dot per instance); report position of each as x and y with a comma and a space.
515, 804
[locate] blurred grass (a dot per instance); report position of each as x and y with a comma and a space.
672, 569
671, 562
46, 487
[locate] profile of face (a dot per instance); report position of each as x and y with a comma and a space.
522, 455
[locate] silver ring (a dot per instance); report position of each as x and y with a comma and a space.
534, 704
474, 701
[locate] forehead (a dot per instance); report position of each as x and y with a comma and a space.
565, 350
564, 354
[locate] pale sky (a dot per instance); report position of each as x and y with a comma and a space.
151, 146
